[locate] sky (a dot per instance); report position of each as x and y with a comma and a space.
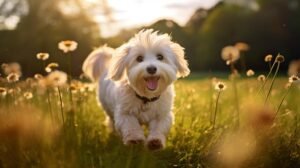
127, 14
123, 14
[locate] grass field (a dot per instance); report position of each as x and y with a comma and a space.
46, 127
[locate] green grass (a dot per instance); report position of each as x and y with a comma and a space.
84, 141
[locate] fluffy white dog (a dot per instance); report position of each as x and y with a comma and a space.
135, 85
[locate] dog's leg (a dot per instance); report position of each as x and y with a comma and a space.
158, 130
130, 129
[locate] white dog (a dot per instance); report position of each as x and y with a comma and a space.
135, 85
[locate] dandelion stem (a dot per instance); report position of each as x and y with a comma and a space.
49, 104
70, 79
61, 105
216, 109
236, 101
272, 83
287, 92
264, 83
44, 65
232, 68
211, 103
243, 63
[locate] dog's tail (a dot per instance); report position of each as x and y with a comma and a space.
97, 62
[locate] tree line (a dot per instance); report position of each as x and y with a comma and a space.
272, 29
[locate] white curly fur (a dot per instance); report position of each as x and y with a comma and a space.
120, 77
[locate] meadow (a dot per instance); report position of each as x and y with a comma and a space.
235, 120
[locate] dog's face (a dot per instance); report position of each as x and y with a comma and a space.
150, 62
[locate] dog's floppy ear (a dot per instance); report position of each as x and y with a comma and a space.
118, 63
180, 62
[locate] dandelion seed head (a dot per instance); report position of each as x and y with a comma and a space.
50, 67
294, 68
279, 58
89, 87
242, 46
220, 86
13, 67
56, 78
47, 69
67, 46
73, 88
250, 72
230, 54
38, 76
28, 95
268, 58
3, 91
261, 78
42, 56
293, 79
13, 77
4, 65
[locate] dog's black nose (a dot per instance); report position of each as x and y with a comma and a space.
151, 69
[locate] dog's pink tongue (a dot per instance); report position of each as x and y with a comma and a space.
152, 83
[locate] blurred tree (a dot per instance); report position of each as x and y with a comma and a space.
47, 23
269, 27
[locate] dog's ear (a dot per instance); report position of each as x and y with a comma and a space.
180, 62
118, 63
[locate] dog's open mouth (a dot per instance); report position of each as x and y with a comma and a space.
152, 82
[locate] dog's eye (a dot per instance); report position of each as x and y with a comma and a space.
160, 57
140, 58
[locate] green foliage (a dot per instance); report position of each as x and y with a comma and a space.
41, 30
270, 30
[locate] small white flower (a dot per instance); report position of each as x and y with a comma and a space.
42, 56
220, 86
293, 79
67, 46
250, 72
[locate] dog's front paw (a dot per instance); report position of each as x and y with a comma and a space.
134, 138
156, 142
